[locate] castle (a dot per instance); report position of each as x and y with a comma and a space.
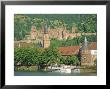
39, 36
87, 51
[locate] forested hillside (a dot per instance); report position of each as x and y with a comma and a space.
73, 41
83, 22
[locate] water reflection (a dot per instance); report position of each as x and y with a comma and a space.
39, 73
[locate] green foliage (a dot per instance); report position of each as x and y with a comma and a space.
41, 57
21, 26
72, 42
23, 22
26, 56
33, 56
69, 60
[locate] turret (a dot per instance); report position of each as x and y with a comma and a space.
85, 53
46, 40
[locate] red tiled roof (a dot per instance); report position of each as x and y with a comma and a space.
70, 50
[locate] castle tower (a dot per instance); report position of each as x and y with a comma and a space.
85, 53
74, 28
46, 40
60, 34
33, 33
64, 34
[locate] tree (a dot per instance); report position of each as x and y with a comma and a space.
72, 60
51, 55
27, 56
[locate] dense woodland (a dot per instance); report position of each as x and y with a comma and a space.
83, 22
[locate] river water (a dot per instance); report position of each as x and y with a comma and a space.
39, 73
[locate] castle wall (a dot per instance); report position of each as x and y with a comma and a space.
86, 59
60, 33
46, 41
64, 34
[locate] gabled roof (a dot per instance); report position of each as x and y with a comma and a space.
69, 50
74, 50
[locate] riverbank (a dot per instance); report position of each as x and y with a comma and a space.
83, 69
25, 68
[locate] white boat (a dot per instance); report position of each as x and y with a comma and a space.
65, 70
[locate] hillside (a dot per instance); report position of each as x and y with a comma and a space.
83, 22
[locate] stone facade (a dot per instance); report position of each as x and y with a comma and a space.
64, 34
46, 41
86, 54
60, 33
86, 58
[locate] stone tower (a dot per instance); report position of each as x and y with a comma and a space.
85, 53
33, 33
46, 40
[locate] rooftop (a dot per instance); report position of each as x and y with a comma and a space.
69, 50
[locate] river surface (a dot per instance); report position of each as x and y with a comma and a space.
39, 73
